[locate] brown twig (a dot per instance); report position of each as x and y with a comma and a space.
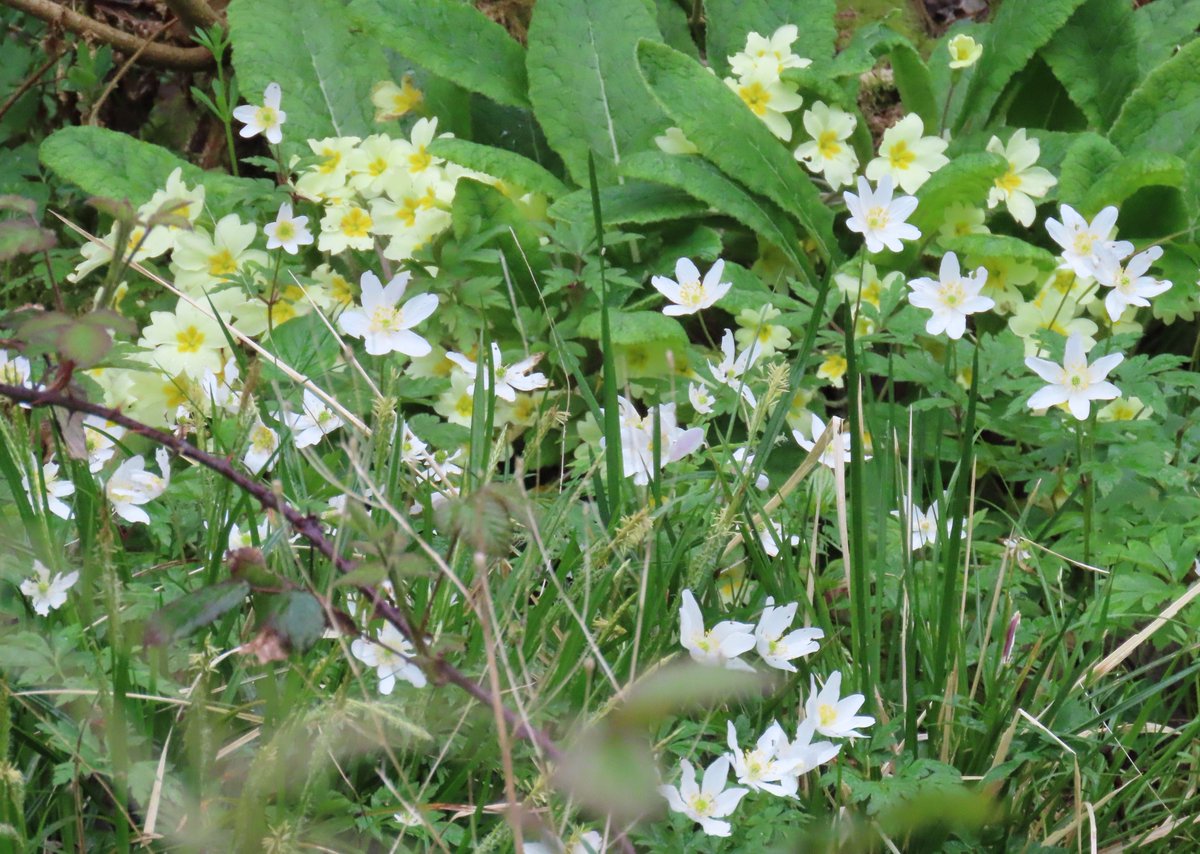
197, 14
307, 526
160, 55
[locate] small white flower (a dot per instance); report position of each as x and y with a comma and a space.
100, 436
878, 217
1023, 181
906, 156
589, 842
839, 444
964, 51
689, 294
239, 539
315, 422
802, 755
56, 490
719, 646
772, 535
267, 119
732, 368
131, 486
951, 298
14, 370
262, 444
391, 656
382, 324
829, 151
833, 716
1079, 238
745, 460
708, 802
44, 593
638, 440
701, 399
1075, 382
758, 769
509, 379
778, 649
1129, 282
287, 232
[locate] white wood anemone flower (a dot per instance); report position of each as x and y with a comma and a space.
950, 298
267, 119
1074, 382
383, 325
687, 292
879, 218
47, 594
708, 802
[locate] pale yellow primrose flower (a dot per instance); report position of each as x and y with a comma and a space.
393, 102
770, 56
964, 51
828, 152
959, 220
267, 119
201, 260
673, 141
908, 156
327, 178
1022, 182
185, 340
1125, 409
346, 226
755, 328
1050, 313
768, 98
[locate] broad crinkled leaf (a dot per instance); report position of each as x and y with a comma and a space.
106, 163
1163, 26
637, 327
966, 179
675, 28
1163, 113
325, 69
726, 132
730, 21
452, 39
701, 179
584, 83
914, 83
1123, 179
998, 246
632, 202
1019, 30
509, 167
1095, 57
192, 611
1088, 157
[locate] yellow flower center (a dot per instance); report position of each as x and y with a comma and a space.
342, 290
1010, 181
691, 293
190, 340
877, 218
406, 99
377, 166
261, 439
266, 117
828, 145
952, 293
385, 319
1083, 242
702, 805
464, 407
420, 161
331, 158
900, 156
356, 223
757, 97
282, 311
222, 263
826, 714
284, 231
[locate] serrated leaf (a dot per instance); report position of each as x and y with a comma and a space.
726, 132
105, 163
508, 167
636, 327
999, 246
1095, 57
1019, 30
1163, 26
1163, 113
730, 21
1123, 179
453, 40
632, 202
1088, 157
480, 208
324, 68
704, 181
193, 611
584, 83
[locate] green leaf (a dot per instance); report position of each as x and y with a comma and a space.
1161, 27
1095, 57
728, 134
508, 167
1088, 157
965, 179
1123, 179
1019, 30
103, 162
310, 49
584, 83
999, 246
632, 202
637, 327
453, 40
192, 611
704, 181
23, 237
675, 28
914, 83
294, 621
303, 343
479, 209
1163, 113
730, 21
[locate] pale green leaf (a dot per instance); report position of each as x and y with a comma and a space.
914, 83
636, 327
1123, 179
584, 83
452, 39
730, 21
726, 132
509, 167
325, 69
675, 28
998, 246
1095, 57
632, 202
1086, 159
1163, 113
1019, 30
1162, 26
